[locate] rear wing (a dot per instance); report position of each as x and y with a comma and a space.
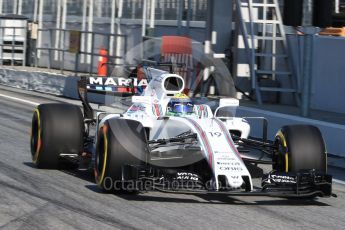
115, 85
135, 84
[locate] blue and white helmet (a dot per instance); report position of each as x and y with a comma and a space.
180, 105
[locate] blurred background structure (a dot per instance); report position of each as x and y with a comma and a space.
275, 50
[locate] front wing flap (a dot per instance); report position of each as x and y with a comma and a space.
275, 184
301, 184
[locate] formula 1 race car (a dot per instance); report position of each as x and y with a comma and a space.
165, 142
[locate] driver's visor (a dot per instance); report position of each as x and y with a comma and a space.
183, 108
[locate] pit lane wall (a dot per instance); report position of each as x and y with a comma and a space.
333, 134
62, 85
39, 81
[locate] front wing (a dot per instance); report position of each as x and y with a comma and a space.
303, 184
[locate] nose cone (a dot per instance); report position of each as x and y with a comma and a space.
229, 182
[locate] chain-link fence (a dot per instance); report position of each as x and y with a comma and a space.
131, 9
54, 19
68, 55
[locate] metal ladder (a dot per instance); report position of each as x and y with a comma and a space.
266, 47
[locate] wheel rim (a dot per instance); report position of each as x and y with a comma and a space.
282, 156
35, 139
101, 156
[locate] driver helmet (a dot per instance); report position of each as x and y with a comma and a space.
180, 105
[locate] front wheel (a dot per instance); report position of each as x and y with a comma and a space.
120, 143
300, 147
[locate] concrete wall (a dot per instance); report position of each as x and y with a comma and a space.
328, 71
333, 134
328, 84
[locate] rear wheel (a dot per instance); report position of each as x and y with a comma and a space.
300, 147
56, 129
120, 143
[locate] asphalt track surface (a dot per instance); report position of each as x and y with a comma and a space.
31, 198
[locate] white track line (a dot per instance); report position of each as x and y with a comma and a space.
20, 100
339, 181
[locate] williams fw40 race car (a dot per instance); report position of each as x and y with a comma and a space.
165, 142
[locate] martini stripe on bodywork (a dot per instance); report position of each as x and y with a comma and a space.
204, 140
228, 138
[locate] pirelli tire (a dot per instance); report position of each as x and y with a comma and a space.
300, 147
120, 143
56, 128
